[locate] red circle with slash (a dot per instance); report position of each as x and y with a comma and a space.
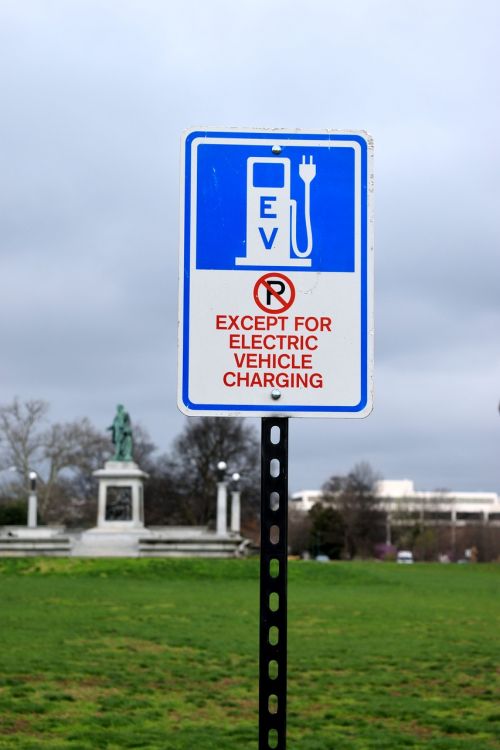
274, 293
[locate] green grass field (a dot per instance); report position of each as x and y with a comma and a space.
162, 655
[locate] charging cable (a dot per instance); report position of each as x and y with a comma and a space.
307, 173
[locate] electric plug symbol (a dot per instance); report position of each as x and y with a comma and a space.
307, 170
307, 173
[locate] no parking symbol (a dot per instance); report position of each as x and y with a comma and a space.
274, 293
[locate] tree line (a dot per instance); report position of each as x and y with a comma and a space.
181, 488
348, 521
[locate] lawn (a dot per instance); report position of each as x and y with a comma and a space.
162, 655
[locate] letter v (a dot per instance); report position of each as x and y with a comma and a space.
268, 242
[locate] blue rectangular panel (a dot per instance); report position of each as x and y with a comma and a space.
222, 203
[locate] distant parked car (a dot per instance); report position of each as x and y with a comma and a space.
322, 558
405, 557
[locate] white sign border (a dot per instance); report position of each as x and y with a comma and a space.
191, 139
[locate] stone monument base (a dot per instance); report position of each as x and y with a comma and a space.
189, 541
45, 541
166, 541
109, 542
120, 513
121, 500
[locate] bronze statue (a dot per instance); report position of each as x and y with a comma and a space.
121, 435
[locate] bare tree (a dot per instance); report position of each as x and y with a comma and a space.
22, 426
163, 501
355, 498
202, 444
72, 452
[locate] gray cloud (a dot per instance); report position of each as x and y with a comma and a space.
94, 100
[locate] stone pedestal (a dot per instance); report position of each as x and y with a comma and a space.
120, 513
32, 510
121, 497
235, 512
221, 509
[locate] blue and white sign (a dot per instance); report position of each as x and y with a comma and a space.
276, 274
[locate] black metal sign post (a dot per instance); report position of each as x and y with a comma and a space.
273, 584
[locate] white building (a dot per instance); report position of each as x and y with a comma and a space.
399, 498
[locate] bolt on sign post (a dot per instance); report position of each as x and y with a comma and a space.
276, 316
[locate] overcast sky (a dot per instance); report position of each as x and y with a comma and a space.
94, 98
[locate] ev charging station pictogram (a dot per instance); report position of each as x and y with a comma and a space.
276, 317
271, 222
